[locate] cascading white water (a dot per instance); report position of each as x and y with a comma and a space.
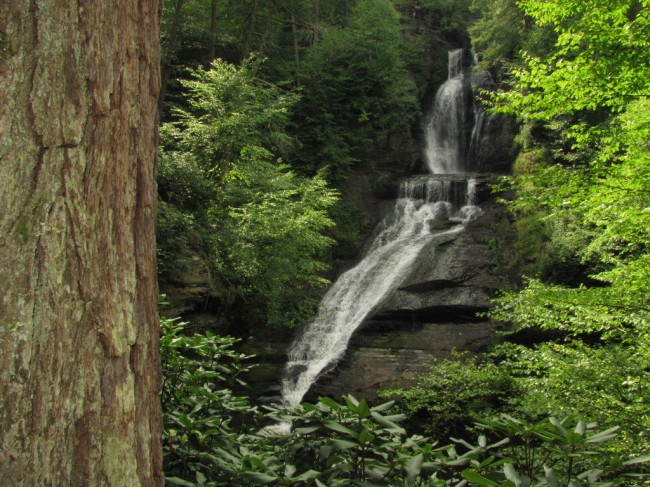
445, 139
415, 220
358, 291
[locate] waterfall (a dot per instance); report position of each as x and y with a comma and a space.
428, 207
455, 127
357, 292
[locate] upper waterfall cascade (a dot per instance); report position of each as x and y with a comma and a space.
428, 208
453, 134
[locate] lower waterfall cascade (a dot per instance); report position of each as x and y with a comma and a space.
428, 208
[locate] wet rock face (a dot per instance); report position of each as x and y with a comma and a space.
433, 312
386, 354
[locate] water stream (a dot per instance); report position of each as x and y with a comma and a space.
428, 207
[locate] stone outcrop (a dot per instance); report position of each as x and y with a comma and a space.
435, 310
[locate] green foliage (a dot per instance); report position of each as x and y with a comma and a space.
229, 110
608, 383
444, 400
213, 437
185, 195
182, 182
228, 197
446, 21
353, 443
566, 451
356, 89
348, 231
597, 61
349, 443
502, 32
173, 234
498, 32
609, 203
272, 238
199, 406
582, 200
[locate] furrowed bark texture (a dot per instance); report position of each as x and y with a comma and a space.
79, 360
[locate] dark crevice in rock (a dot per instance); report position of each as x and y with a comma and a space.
433, 314
428, 286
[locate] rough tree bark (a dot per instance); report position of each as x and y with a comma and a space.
79, 363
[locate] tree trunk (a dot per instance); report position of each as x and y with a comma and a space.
296, 47
212, 51
317, 27
79, 360
268, 27
169, 52
251, 26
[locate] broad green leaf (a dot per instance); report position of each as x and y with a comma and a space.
289, 470
637, 460
257, 463
343, 444
388, 423
460, 462
330, 403
558, 426
475, 478
351, 402
511, 473
365, 436
604, 435
363, 410
179, 481
305, 430
499, 443
308, 475
259, 477
580, 428
551, 477
383, 407
413, 467
200, 478
333, 425
335, 460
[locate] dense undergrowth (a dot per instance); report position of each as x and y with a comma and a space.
213, 437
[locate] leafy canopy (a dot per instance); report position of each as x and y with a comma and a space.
591, 92
260, 225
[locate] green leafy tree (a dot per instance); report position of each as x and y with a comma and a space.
444, 401
591, 90
502, 32
498, 32
356, 89
259, 225
272, 238
229, 109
